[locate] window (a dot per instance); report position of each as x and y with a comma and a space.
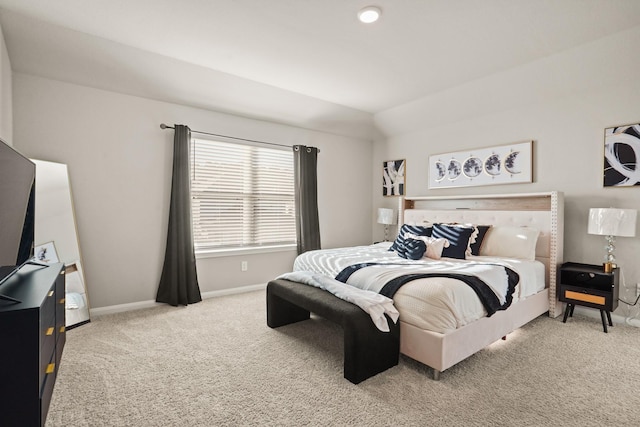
242, 196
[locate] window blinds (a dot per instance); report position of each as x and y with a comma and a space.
242, 195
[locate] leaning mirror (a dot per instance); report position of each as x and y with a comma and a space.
57, 236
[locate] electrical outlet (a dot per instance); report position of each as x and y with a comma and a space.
638, 289
244, 266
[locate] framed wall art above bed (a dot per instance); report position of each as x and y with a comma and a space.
505, 164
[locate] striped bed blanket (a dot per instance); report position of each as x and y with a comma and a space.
493, 284
374, 269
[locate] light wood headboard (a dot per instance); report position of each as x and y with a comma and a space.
544, 211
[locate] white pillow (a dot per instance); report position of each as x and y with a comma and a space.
434, 245
510, 242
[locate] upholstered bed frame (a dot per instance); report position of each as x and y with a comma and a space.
544, 211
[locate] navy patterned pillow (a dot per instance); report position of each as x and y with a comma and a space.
412, 249
418, 230
482, 231
457, 236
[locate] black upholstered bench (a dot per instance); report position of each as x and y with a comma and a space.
367, 350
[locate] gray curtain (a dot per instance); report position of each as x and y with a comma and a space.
305, 168
179, 280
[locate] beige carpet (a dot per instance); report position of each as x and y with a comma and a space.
217, 363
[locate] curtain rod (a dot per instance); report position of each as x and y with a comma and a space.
163, 126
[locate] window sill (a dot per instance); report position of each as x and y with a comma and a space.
215, 253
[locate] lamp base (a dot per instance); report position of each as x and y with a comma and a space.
610, 259
608, 267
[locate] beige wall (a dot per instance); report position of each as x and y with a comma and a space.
120, 170
563, 103
120, 161
6, 97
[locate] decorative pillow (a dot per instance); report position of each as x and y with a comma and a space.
412, 249
458, 237
434, 246
482, 231
472, 238
511, 242
417, 230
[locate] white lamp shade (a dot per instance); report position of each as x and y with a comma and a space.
385, 216
612, 222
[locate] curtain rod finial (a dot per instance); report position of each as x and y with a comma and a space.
163, 126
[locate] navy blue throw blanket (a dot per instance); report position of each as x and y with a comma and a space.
344, 275
488, 299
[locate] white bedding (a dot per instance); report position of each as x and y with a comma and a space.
435, 304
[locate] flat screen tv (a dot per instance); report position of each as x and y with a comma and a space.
17, 211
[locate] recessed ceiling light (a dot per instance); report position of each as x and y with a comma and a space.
369, 14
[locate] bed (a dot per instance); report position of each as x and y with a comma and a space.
442, 340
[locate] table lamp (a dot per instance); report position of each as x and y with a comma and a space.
612, 222
386, 217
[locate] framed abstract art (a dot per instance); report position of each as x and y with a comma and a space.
393, 177
504, 164
622, 156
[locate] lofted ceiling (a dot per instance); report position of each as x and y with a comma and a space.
297, 49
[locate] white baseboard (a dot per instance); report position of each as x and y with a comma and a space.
231, 291
101, 311
615, 318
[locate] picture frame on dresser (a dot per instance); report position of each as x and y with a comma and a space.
46, 253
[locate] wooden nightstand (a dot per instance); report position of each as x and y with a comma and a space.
588, 285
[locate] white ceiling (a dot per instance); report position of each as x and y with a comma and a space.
315, 48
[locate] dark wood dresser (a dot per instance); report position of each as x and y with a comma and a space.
32, 336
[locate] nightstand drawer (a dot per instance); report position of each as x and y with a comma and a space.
588, 297
578, 296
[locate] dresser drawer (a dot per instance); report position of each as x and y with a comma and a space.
48, 309
47, 326
47, 390
60, 298
47, 352
60, 310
